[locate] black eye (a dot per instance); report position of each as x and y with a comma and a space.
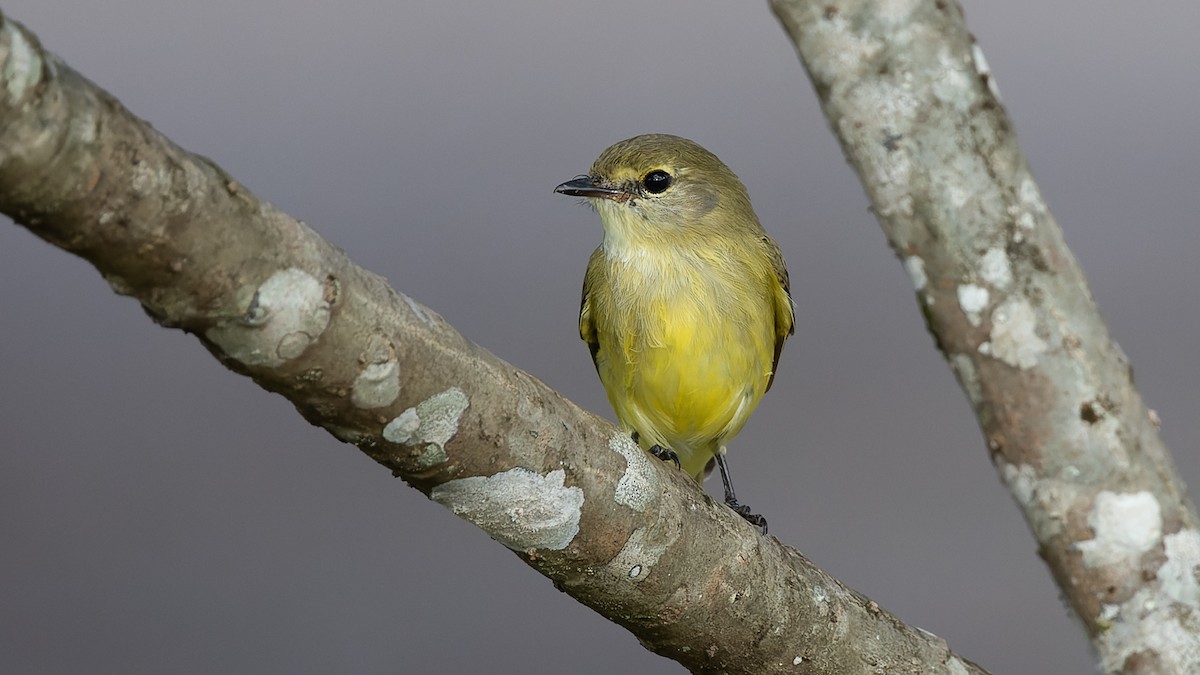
656, 181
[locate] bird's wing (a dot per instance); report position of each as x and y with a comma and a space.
587, 329
785, 309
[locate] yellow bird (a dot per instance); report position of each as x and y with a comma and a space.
686, 303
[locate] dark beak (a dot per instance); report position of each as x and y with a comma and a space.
591, 186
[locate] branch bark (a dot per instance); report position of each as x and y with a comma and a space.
910, 97
630, 537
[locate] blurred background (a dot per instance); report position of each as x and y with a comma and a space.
160, 514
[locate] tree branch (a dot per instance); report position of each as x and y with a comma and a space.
628, 536
909, 95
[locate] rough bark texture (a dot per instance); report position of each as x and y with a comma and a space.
909, 95
627, 535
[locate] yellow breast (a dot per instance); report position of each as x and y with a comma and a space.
686, 343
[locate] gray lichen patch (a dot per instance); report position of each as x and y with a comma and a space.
984, 70
915, 267
1148, 626
1014, 336
640, 554
429, 425
283, 317
1180, 574
964, 367
519, 508
955, 666
1125, 526
995, 268
972, 300
1047, 502
378, 383
638, 486
418, 310
23, 67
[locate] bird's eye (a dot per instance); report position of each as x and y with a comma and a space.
656, 181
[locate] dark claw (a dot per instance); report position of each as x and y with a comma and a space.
665, 455
744, 511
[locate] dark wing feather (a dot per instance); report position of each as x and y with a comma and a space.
785, 310
587, 329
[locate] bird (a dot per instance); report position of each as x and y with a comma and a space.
686, 302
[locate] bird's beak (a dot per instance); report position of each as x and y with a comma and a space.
592, 187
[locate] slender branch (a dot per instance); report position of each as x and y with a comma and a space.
628, 536
910, 97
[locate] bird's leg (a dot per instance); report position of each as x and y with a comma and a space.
661, 452
731, 499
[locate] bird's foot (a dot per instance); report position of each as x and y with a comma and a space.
744, 511
665, 455
659, 451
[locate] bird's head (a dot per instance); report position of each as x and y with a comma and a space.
659, 186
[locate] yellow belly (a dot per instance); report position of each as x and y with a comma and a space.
688, 365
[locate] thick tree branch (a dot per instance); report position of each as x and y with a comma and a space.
630, 537
910, 97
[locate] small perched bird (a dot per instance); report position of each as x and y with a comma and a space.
686, 303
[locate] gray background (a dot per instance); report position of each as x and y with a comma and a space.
159, 514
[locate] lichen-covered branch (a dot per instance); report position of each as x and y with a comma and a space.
910, 97
629, 536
